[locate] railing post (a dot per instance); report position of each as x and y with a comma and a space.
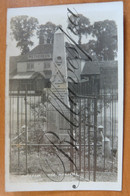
95, 138
18, 129
26, 134
10, 119
80, 151
71, 140
84, 123
88, 106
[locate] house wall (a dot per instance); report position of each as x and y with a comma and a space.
21, 67
13, 64
38, 66
109, 78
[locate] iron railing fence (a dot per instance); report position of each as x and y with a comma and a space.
82, 140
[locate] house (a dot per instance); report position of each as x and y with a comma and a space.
100, 76
89, 77
41, 60
28, 81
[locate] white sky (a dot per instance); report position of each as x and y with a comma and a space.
58, 15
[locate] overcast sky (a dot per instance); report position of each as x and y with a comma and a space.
58, 15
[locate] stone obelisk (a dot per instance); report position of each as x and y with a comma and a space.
59, 86
59, 70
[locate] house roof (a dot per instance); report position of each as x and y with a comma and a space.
71, 50
95, 67
46, 74
90, 69
25, 75
40, 49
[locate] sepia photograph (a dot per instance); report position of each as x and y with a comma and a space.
64, 97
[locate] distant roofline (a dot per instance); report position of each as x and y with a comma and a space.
94, 67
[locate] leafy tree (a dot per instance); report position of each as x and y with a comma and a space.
79, 25
103, 46
90, 47
105, 33
46, 32
22, 30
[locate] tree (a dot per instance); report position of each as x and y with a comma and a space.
105, 33
46, 32
23, 30
79, 25
90, 47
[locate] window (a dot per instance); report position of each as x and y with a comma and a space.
30, 66
47, 65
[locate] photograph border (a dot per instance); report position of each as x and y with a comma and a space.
113, 186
